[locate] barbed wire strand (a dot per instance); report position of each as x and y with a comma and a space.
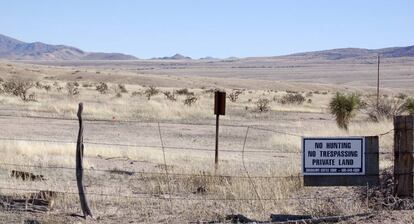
157, 197
201, 175
268, 151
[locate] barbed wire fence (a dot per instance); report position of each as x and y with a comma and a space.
169, 175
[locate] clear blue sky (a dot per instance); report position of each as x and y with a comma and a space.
219, 28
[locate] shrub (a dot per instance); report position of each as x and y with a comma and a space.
19, 88
190, 100
47, 87
136, 93
233, 96
122, 88
408, 106
102, 88
309, 94
401, 96
262, 105
72, 89
151, 91
184, 92
170, 96
292, 98
39, 85
343, 107
86, 85
387, 108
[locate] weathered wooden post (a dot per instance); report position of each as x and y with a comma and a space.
403, 155
219, 109
79, 166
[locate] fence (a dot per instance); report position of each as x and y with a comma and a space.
252, 149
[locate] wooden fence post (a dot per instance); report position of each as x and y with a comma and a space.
79, 167
403, 155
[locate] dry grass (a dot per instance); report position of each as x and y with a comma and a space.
308, 119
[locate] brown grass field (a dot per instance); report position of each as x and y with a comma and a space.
125, 175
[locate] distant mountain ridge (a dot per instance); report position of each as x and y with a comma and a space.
174, 57
346, 53
14, 49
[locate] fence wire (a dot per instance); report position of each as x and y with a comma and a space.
170, 175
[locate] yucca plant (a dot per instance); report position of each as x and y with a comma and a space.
343, 107
408, 106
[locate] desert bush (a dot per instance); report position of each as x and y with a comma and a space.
1, 80
386, 109
408, 106
86, 84
72, 89
262, 105
233, 96
38, 85
170, 96
19, 88
292, 98
343, 107
59, 89
118, 91
136, 93
292, 91
184, 91
102, 88
151, 91
47, 87
309, 101
122, 88
401, 96
190, 100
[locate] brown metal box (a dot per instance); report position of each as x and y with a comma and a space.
220, 103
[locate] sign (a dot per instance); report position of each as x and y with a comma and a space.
333, 156
220, 103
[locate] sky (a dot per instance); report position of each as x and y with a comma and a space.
218, 28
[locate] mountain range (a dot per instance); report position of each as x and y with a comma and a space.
13, 49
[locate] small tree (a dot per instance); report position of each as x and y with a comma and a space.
170, 96
233, 96
72, 89
190, 100
343, 107
263, 105
151, 91
122, 88
19, 88
102, 88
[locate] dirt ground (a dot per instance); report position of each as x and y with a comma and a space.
126, 163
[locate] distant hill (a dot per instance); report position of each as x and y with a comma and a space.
348, 53
174, 57
13, 49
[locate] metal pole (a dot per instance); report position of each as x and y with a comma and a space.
217, 133
378, 73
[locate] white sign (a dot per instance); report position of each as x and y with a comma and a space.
333, 156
